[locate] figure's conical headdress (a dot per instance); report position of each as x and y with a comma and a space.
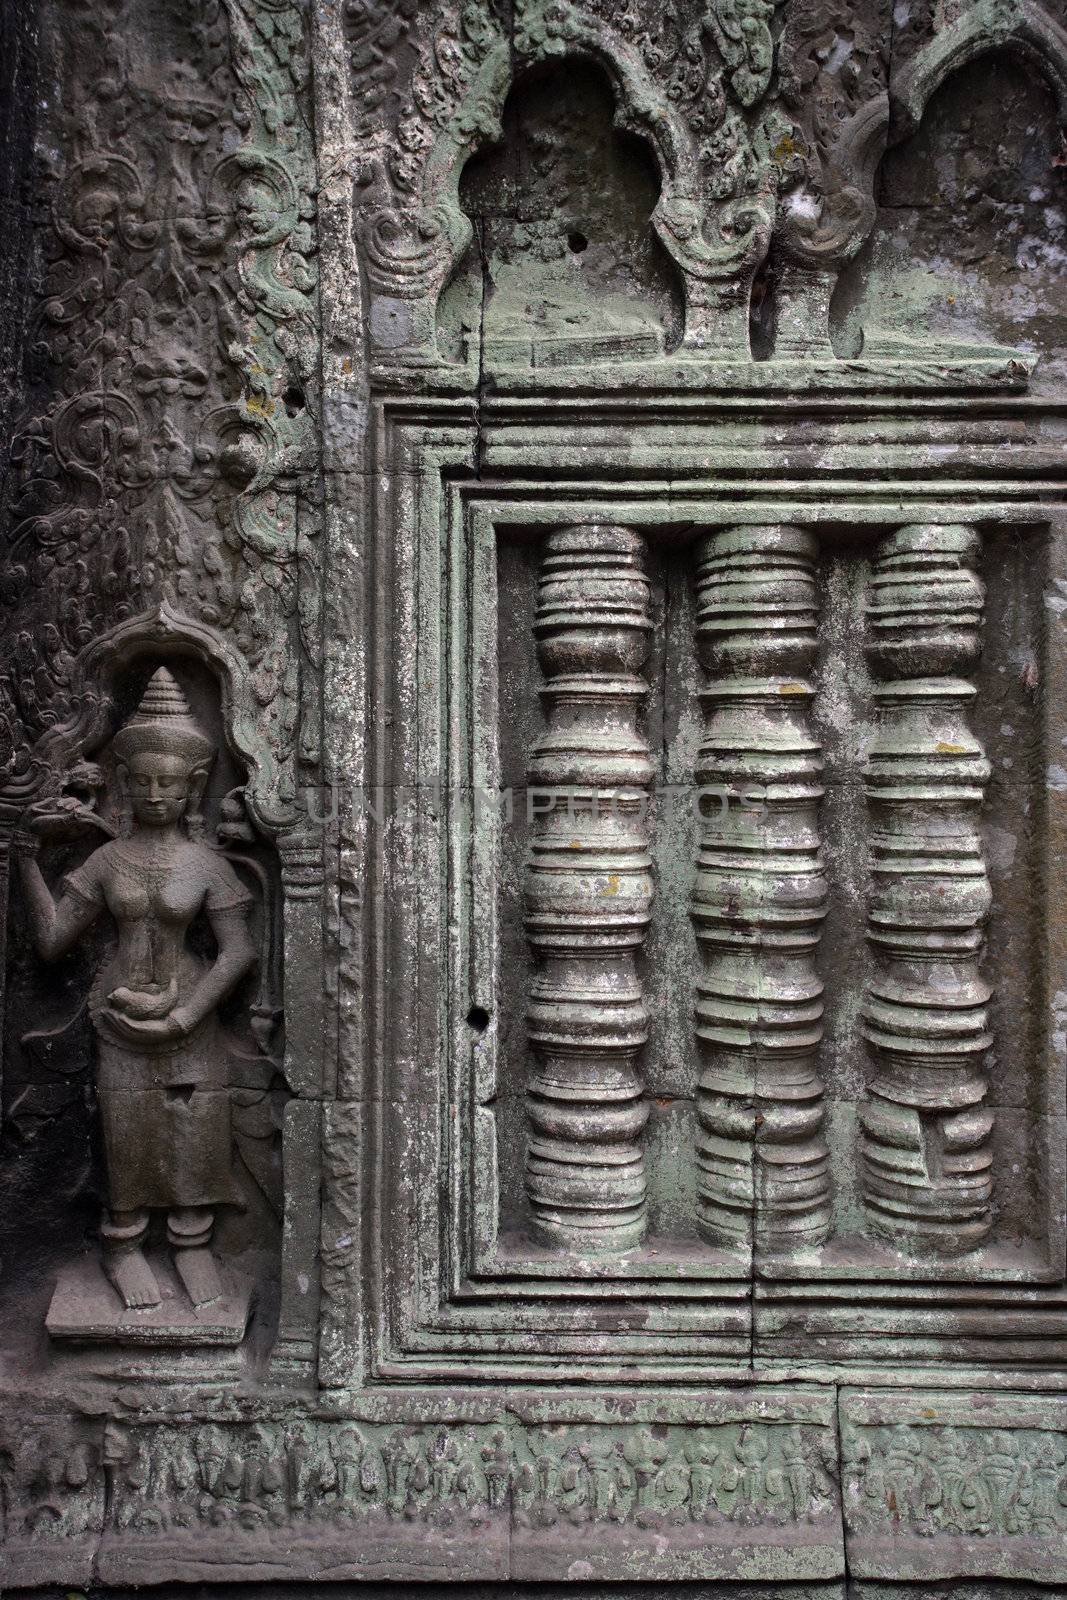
163, 722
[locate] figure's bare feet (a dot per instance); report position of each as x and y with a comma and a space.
133, 1278
197, 1270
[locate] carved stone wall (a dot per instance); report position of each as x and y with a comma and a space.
532, 794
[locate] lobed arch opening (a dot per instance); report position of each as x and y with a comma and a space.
967, 247
564, 263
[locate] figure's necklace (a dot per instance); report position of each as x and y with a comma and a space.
148, 866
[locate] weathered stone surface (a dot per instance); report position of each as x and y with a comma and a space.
543, 1059
949, 1485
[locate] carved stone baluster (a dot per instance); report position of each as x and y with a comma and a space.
760, 895
927, 1181
589, 893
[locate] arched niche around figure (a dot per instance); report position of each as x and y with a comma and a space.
970, 241
564, 267
53, 1163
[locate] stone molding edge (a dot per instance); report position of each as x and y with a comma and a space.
933, 1484
420, 1347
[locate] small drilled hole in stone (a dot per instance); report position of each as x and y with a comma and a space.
576, 243
478, 1018
293, 400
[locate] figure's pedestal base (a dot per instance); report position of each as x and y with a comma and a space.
165, 1343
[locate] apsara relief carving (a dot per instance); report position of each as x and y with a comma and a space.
160, 1066
531, 793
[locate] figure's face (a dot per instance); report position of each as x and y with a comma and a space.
159, 788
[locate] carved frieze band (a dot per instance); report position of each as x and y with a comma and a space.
933, 1485
926, 1159
760, 894
589, 893
272, 1492
939, 1484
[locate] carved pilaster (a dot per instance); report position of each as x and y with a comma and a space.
589, 892
926, 1158
760, 894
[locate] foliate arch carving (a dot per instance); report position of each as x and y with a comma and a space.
1018, 26
409, 222
759, 132
836, 227
719, 175
271, 785
716, 203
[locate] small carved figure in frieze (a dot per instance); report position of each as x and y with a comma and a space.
911, 1489
311, 1481
407, 1476
349, 1468
646, 1455
607, 1475
50, 1488
210, 1450
138, 1468
807, 1474
1050, 1485
164, 1101
1008, 1480
702, 1454
497, 1467
446, 1470
750, 1480
263, 1490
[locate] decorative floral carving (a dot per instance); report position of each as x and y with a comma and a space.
741, 30
176, 323
985, 1483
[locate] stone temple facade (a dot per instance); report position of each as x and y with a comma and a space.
533, 796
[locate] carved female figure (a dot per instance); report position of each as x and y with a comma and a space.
161, 1086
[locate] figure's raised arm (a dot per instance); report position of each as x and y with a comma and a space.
56, 925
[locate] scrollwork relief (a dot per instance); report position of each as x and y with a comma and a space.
175, 324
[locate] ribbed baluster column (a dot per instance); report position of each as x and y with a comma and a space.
760, 895
589, 893
927, 1178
